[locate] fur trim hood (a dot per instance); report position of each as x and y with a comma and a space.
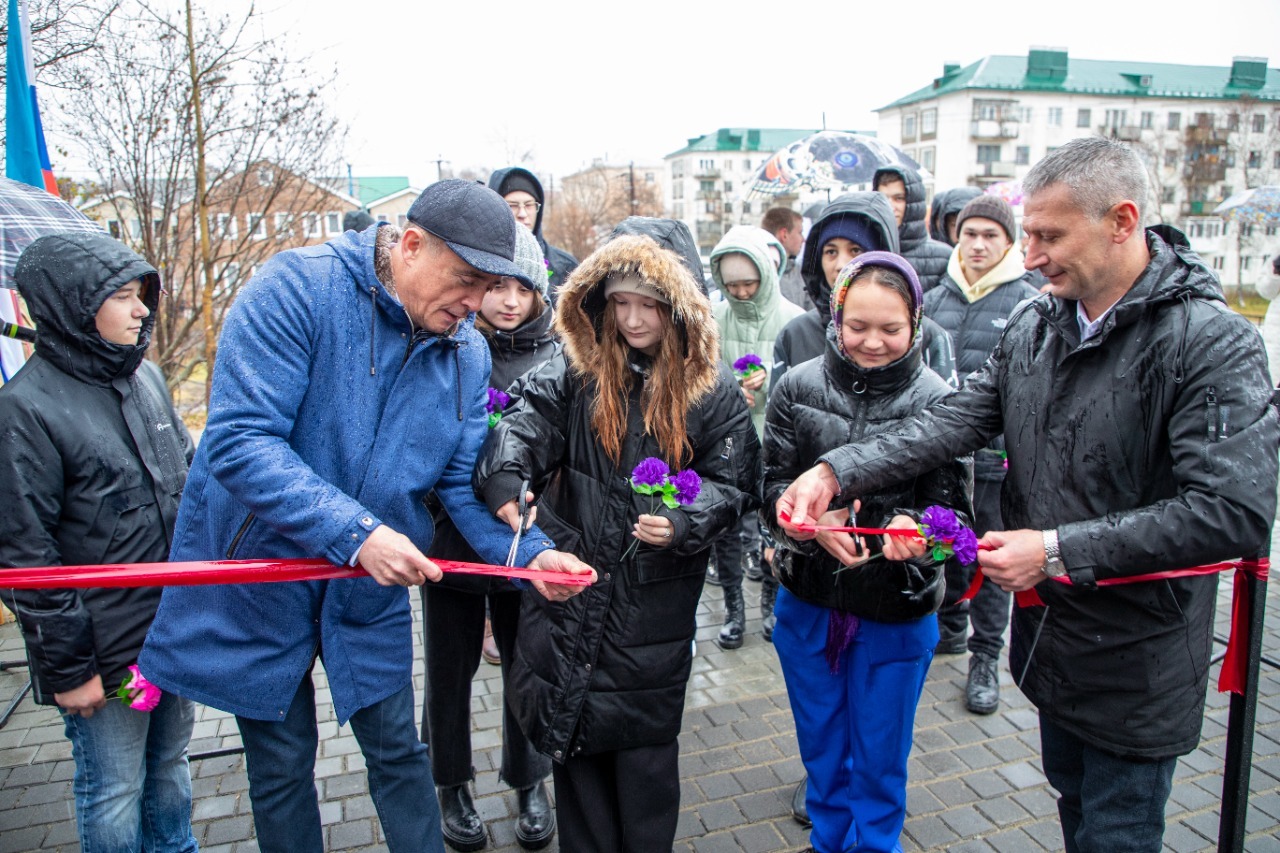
580, 310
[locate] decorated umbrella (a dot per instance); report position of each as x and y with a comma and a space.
1010, 191
27, 213
1258, 206
827, 160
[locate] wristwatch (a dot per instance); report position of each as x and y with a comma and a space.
1053, 566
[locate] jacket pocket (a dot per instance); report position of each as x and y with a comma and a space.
661, 597
124, 514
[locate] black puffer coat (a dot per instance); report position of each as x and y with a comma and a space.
514, 353
928, 256
607, 669
94, 458
948, 203
813, 411
803, 338
560, 262
1150, 446
975, 329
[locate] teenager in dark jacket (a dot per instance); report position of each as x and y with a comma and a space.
95, 458
942, 213
1136, 411
985, 281
599, 681
906, 194
523, 192
516, 320
855, 632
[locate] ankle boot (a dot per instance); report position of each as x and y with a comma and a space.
536, 822
768, 595
735, 619
461, 826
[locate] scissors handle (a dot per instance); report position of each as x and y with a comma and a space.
523, 503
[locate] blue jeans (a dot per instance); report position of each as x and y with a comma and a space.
132, 785
281, 758
854, 728
1107, 802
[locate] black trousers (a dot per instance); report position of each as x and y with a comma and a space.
989, 610
454, 633
626, 801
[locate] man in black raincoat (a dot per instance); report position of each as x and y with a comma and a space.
1140, 435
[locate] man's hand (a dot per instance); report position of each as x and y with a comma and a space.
559, 561
392, 560
1015, 558
903, 547
807, 499
509, 512
83, 700
842, 545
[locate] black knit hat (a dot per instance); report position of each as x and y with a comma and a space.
990, 207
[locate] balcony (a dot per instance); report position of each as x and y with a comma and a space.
1204, 171
999, 169
707, 195
1205, 135
1199, 208
706, 174
992, 129
1124, 133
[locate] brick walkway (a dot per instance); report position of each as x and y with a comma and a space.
975, 782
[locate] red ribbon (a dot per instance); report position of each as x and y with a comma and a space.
238, 571
904, 532
1235, 662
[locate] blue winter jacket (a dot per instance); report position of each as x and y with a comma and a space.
328, 417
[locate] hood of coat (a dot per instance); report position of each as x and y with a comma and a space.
65, 279
912, 231
669, 234
582, 303
754, 243
948, 203
872, 207
499, 180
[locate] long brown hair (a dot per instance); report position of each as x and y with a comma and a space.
666, 405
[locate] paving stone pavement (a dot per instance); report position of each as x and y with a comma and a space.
975, 782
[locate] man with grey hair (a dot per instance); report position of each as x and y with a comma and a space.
1136, 410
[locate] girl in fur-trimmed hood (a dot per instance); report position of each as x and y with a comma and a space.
599, 679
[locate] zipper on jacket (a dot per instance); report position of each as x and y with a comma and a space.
373, 329
728, 449
235, 541
1211, 415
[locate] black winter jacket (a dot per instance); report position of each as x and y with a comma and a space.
560, 262
803, 338
975, 329
928, 256
813, 411
607, 669
1150, 446
514, 353
95, 459
948, 203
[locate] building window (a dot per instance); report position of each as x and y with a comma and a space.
402, 219
706, 165
1083, 118
1258, 122
231, 274
909, 126
1055, 116
1174, 121
1204, 120
113, 228
1025, 113
1213, 229
678, 209
256, 225
1217, 262
1233, 121
1022, 155
926, 158
226, 225
1148, 120
677, 191
284, 225
1275, 161
1255, 160
746, 208
1170, 158
1168, 195
1116, 118
988, 153
677, 169
333, 222
649, 177
728, 186
1271, 230
929, 122
311, 225
711, 207
265, 176
706, 186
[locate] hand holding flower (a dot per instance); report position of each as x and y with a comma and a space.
903, 547
138, 693
653, 477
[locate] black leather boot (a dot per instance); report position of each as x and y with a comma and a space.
982, 692
537, 821
800, 808
735, 619
462, 828
768, 595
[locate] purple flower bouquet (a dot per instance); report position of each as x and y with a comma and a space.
498, 401
653, 477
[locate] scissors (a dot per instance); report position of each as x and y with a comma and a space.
523, 504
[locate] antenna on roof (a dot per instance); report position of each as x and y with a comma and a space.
824, 119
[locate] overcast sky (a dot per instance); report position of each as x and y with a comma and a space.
478, 81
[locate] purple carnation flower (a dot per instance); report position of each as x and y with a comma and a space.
940, 524
650, 472
747, 363
965, 546
688, 486
497, 401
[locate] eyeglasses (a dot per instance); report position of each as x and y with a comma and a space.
530, 206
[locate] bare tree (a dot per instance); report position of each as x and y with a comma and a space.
593, 201
266, 143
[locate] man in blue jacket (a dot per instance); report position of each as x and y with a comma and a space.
350, 383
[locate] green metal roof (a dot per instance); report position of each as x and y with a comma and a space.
1053, 71
748, 139
371, 189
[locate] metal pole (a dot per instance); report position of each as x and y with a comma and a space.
1240, 724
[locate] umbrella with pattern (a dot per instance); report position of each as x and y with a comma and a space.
827, 160
1257, 206
26, 213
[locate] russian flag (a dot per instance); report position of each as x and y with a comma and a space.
26, 157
